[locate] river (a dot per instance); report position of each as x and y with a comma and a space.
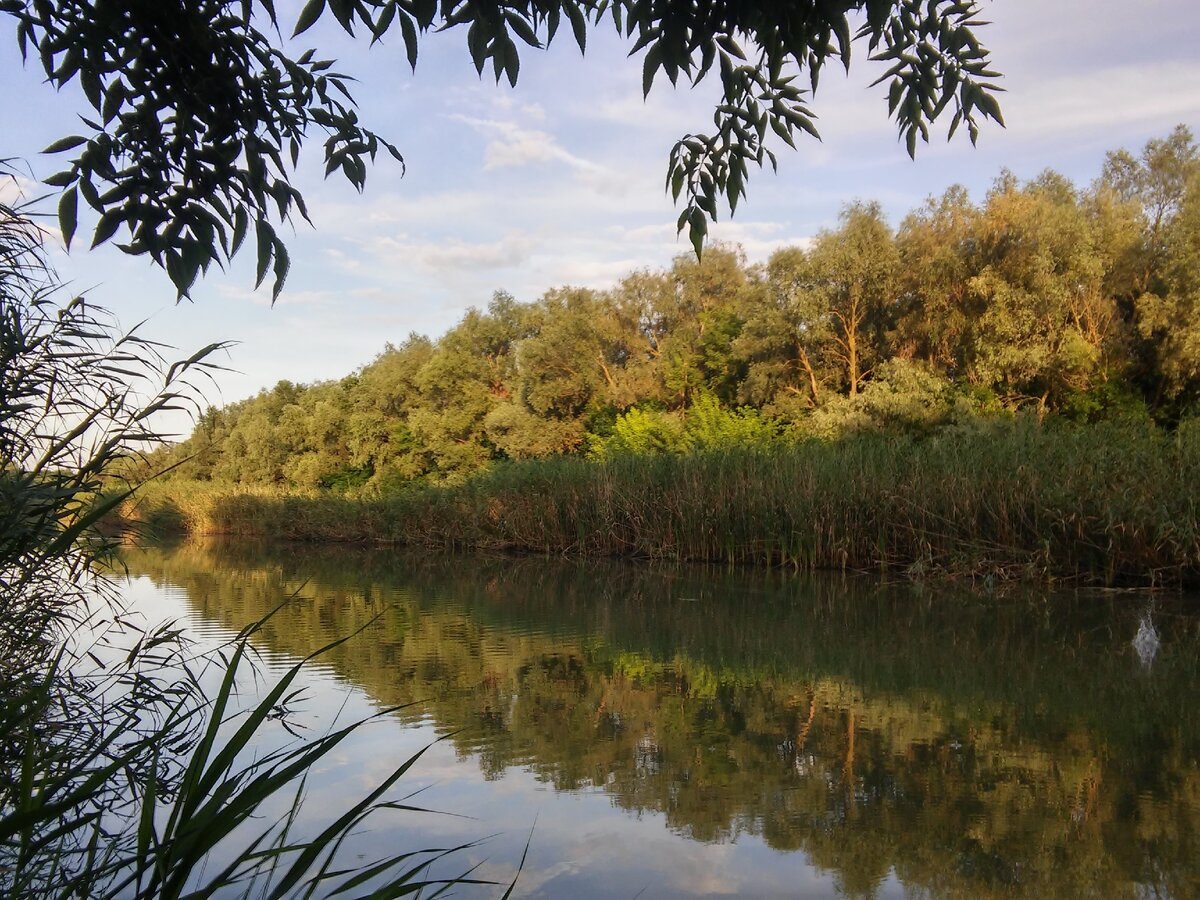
665, 731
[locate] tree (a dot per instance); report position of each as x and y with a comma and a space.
201, 112
569, 372
785, 340
854, 273
386, 391
465, 378
1169, 320
1162, 186
700, 319
1156, 182
1045, 327
939, 255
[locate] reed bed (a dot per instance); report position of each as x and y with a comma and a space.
1101, 504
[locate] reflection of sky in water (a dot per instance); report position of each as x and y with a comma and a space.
582, 845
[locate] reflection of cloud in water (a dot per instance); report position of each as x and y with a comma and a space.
1146, 641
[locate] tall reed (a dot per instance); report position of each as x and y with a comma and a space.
122, 778
1100, 503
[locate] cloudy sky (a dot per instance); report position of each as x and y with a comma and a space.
560, 180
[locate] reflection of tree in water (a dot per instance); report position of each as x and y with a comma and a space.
974, 746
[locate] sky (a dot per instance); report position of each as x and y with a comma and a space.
561, 180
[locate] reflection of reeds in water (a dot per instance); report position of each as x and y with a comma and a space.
959, 740
1103, 504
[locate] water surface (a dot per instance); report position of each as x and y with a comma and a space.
671, 731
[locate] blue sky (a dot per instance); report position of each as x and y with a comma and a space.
560, 180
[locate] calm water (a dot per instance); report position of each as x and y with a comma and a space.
679, 732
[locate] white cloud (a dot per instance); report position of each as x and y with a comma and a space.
455, 256
759, 239
665, 110
262, 296
534, 111
1101, 99
16, 188
514, 145
378, 213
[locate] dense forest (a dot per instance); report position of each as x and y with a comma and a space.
1044, 300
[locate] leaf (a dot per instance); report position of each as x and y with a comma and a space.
409, 33
64, 144
990, 106
513, 60
68, 214
730, 46
266, 237
61, 179
92, 89
113, 98
196, 256
781, 129
578, 24
88, 190
107, 226
697, 229
649, 67
954, 123
677, 177
241, 224
383, 23
477, 43
282, 266
523, 30
308, 16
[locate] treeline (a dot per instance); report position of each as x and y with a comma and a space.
1047, 298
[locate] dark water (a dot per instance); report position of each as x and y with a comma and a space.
682, 732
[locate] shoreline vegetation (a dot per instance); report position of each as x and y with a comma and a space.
1105, 504
1004, 388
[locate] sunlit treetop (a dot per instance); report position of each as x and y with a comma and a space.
201, 110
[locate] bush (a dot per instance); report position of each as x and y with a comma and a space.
704, 426
904, 398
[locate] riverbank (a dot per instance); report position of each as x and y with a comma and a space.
1101, 504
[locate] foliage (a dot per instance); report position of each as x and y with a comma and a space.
707, 426
904, 398
201, 112
703, 426
1070, 303
643, 432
